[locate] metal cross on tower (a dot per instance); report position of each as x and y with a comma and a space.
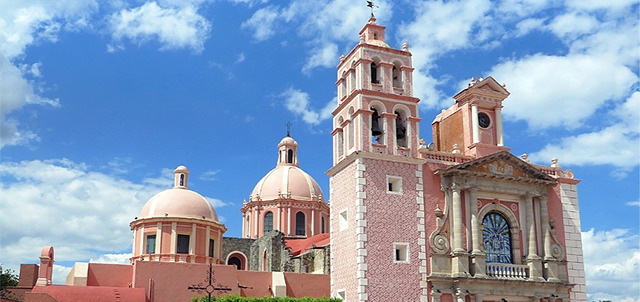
288, 124
210, 288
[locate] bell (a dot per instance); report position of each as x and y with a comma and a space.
375, 124
401, 132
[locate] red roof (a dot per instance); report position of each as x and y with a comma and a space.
301, 246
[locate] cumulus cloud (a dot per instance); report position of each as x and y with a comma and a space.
174, 27
82, 213
338, 24
262, 23
612, 260
615, 144
298, 103
17, 91
23, 23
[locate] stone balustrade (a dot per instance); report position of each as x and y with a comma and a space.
507, 271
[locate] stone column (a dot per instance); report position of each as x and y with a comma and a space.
533, 260
544, 220
478, 257
474, 123
158, 249
457, 220
476, 236
499, 132
460, 259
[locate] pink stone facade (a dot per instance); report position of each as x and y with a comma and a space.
409, 221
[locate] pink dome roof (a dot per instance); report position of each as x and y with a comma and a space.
287, 182
179, 201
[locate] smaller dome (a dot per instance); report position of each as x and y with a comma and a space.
179, 201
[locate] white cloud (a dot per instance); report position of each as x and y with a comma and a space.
633, 203
297, 102
23, 23
612, 264
174, 27
83, 214
17, 92
544, 97
322, 56
616, 145
262, 23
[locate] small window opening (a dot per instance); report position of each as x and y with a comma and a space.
401, 252
151, 244
300, 224
183, 244
212, 248
289, 156
394, 184
268, 222
182, 180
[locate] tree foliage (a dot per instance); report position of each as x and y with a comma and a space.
7, 278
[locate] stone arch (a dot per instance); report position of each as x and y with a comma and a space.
512, 219
239, 255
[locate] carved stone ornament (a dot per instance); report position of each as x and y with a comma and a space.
501, 168
557, 251
440, 244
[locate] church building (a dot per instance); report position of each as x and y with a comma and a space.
458, 219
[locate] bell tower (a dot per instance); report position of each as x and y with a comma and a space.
376, 179
473, 125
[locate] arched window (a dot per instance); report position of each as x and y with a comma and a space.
496, 237
182, 180
322, 230
289, 156
397, 77
264, 261
268, 222
374, 73
376, 127
300, 224
235, 261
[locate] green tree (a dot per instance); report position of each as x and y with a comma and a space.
7, 278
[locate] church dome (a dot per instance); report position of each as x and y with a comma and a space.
179, 201
287, 180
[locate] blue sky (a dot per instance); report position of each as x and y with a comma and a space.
101, 100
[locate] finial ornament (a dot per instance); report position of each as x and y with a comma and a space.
288, 124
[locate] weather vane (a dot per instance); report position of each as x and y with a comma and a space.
371, 5
288, 124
